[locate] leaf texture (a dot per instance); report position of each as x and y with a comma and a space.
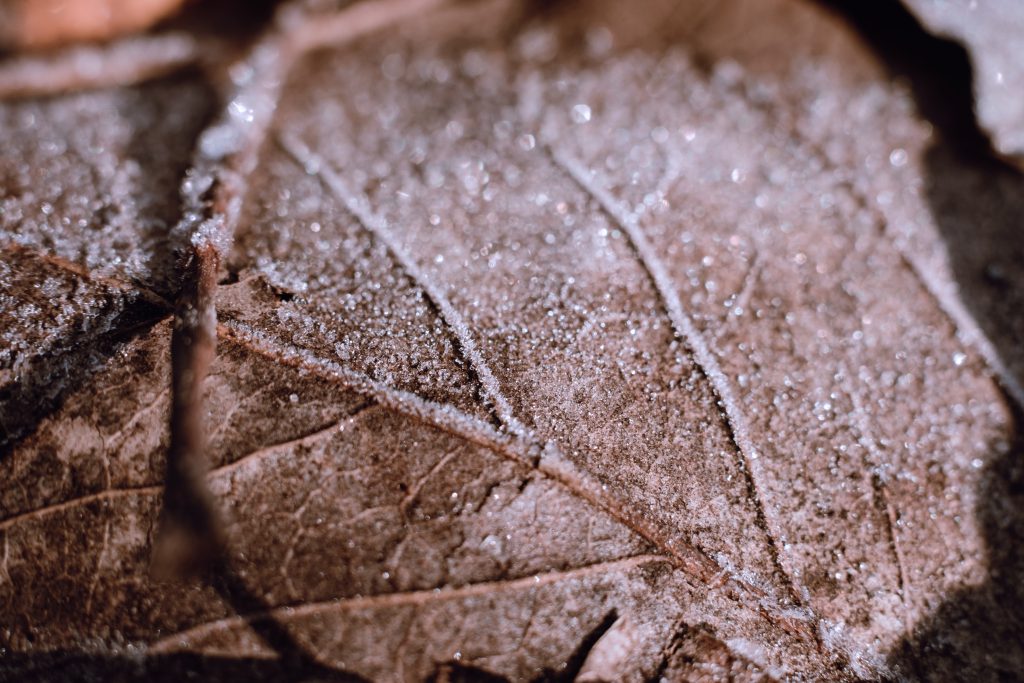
89, 203
558, 346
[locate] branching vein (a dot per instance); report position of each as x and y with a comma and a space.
376, 225
687, 332
406, 599
551, 464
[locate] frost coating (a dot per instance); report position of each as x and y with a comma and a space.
89, 177
991, 31
469, 196
358, 456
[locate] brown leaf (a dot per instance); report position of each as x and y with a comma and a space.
89, 200
34, 24
543, 351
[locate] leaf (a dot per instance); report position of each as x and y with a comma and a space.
988, 36
555, 346
42, 23
88, 204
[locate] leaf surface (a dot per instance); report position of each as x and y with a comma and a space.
541, 351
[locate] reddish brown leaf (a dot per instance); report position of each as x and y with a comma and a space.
549, 345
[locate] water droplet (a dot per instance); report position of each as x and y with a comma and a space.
898, 157
455, 130
241, 111
493, 545
537, 45
599, 41
581, 113
393, 67
526, 142
221, 140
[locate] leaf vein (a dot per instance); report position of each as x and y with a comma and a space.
416, 598
358, 207
685, 330
550, 463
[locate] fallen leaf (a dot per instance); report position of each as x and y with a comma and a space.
544, 351
34, 24
990, 36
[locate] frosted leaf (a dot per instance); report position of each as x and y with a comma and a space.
92, 178
533, 339
990, 32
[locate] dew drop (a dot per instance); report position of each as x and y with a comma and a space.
599, 41
241, 111
581, 113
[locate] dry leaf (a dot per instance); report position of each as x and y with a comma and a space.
550, 345
34, 24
